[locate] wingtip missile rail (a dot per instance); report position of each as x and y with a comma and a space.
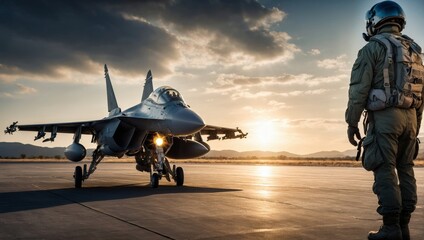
12, 128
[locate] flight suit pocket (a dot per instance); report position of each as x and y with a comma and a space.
358, 71
376, 100
372, 157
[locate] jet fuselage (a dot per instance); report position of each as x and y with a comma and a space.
170, 117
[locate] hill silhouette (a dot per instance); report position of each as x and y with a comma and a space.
17, 150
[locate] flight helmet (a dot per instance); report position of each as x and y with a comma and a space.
382, 14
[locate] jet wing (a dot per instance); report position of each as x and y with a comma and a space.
71, 127
86, 127
213, 133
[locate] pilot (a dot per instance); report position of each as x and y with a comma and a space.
394, 115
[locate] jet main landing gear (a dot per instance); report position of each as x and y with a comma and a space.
78, 177
81, 175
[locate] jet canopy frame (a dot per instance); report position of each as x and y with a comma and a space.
166, 94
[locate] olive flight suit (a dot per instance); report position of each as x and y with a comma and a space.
389, 145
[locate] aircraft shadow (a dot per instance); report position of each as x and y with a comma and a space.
39, 199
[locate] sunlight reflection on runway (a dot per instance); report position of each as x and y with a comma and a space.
264, 175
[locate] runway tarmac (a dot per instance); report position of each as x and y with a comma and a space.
38, 201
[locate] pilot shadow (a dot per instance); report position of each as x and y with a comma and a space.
40, 199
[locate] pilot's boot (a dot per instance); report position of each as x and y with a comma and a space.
404, 221
390, 229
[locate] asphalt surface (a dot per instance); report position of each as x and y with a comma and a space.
38, 201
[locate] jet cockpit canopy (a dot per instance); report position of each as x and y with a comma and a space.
165, 94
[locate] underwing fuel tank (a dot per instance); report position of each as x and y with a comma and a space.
186, 148
75, 152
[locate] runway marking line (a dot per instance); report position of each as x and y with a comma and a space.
102, 212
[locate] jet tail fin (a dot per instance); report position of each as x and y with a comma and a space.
112, 105
148, 86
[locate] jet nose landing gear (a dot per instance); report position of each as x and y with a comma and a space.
156, 174
160, 166
155, 162
154, 180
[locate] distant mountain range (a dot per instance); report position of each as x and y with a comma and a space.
265, 154
17, 150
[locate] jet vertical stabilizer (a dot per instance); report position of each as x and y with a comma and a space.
112, 105
148, 86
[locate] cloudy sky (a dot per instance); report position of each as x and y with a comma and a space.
277, 69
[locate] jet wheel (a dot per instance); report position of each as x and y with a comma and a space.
179, 176
78, 177
154, 181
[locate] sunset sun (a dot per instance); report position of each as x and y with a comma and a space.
265, 132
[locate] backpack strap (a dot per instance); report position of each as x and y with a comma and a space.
414, 46
389, 60
400, 57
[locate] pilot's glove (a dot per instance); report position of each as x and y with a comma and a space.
351, 133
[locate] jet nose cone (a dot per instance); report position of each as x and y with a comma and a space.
185, 122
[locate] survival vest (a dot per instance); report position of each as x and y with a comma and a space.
403, 55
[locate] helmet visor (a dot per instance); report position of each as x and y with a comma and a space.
390, 10
369, 14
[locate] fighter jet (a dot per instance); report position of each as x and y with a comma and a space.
162, 125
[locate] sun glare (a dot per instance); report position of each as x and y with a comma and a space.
264, 171
266, 133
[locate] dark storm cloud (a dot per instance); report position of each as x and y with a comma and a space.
39, 37
235, 25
